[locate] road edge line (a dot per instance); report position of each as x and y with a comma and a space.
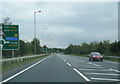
22, 71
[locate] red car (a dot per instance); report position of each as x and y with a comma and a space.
95, 56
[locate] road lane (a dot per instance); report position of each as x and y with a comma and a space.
18, 69
105, 64
53, 69
94, 70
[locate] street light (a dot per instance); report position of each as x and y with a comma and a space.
35, 28
43, 39
47, 42
44, 36
47, 36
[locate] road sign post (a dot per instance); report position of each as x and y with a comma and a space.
13, 54
1, 33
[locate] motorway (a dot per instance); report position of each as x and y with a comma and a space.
66, 68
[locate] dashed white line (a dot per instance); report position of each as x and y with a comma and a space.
22, 71
82, 75
103, 74
78, 71
105, 79
64, 60
69, 64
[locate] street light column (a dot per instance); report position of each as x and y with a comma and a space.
34, 24
35, 31
47, 42
43, 39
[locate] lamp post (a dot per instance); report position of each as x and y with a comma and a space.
43, 39
35, 30
47, 42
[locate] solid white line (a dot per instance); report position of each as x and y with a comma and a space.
103, 74
105, 79
69, 64
22, 71
82, 75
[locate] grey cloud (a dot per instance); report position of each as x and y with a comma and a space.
66, 22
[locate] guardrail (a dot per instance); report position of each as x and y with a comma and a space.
21, 58
114, 57
105, 56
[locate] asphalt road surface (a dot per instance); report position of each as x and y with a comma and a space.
95, 71
65, 68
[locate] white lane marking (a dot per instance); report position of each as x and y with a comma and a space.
103, 74
82, 75
89, 63
64, 60
94, 69
88, 67
69, 64
96, 65
22, 71
105, 79
114, 70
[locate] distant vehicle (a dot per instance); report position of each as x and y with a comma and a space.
95, 56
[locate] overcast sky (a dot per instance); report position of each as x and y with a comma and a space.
66, 22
